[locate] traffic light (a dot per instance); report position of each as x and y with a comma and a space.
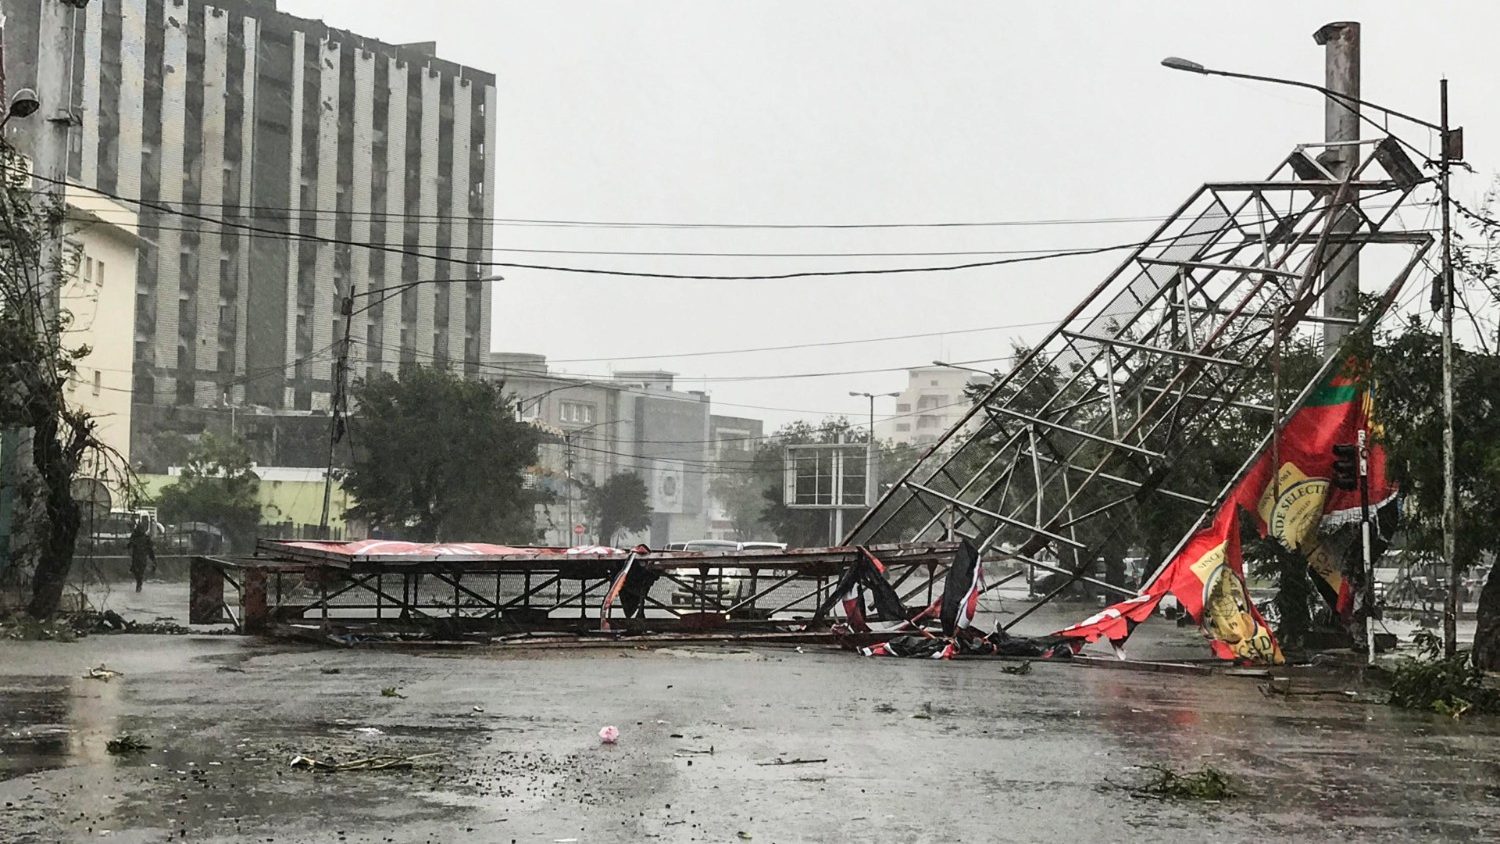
1346, 466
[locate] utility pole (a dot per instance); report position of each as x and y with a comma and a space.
872, 451
1451, 150
337, 407
49, 154
1341, 121
1366, 545
49, 166
568, 479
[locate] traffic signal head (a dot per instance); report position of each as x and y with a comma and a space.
1346, 466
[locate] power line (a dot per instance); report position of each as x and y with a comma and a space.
620, 388
521, 372
304, 214
812, 345
288, 213
680, 254
387, 248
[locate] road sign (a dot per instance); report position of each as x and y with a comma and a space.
578, 530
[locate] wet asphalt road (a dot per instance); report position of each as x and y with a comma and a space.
916, 750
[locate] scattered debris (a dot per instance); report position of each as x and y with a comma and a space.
1209, 784
102, 673
1283, 686
799, 761
24, 628
390, 691
126, 743
330, 671
609, 735
1023, 668
694, 751
369, 732
368, 763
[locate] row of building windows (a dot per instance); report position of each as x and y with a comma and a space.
577, 412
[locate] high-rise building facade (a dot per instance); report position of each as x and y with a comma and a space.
234, 123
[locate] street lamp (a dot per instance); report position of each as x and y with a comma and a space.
23, 105
872, 457
1190, 66
945, 365
1452, 144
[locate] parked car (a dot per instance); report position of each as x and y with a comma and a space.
727, 584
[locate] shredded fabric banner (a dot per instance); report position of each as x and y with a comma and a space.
1289, 495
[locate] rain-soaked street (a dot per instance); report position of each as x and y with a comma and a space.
916, 750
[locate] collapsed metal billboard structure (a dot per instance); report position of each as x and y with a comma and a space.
1072, 451
1082, 441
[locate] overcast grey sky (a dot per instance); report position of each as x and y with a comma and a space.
882, 112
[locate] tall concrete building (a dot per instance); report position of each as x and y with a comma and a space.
233, 123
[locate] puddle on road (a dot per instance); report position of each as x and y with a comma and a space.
55, 723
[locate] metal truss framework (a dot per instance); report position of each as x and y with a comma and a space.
1082, 436
287, 583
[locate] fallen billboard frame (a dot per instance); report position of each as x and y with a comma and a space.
473, 590
1081, 440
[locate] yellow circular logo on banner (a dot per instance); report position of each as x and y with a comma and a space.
1297, 513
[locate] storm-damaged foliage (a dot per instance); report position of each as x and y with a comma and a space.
1163, 783
56, 441
1451, 685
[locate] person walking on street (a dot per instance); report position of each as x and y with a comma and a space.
142, 552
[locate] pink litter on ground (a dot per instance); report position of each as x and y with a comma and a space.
609, 735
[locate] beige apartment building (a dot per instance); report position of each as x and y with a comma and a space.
932, 402
102, 244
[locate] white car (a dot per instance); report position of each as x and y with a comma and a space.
729, 584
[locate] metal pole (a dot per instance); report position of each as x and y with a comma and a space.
871, 460
1341, 125
1365, 546
568, 480
1450, 509
336, 409
838, 492
50, 151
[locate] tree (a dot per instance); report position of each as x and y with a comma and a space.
620, 503
58, 440
218, 486
438, 457
1408, 370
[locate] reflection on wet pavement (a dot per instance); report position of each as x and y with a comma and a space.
915, 750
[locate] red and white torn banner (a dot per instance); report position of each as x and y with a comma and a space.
1289, 495
1207, 577
961, 590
